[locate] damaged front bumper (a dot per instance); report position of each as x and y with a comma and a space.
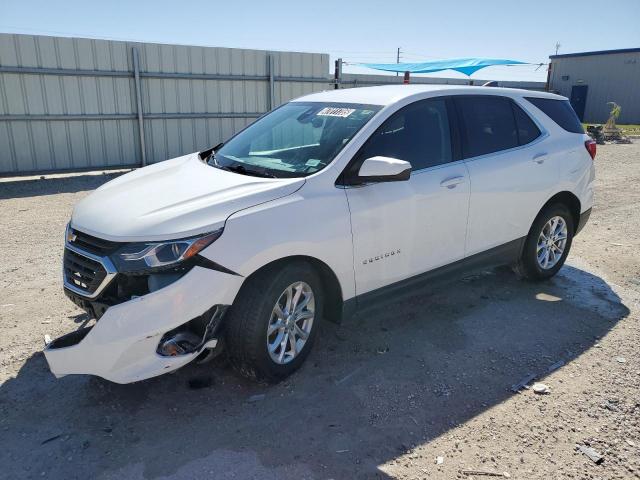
133, 340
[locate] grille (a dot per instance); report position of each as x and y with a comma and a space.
82, 272
94, 245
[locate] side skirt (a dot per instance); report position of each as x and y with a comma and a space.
505, 254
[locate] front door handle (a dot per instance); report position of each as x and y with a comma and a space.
539, 157
451, 182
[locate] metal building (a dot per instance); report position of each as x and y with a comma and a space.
591, 79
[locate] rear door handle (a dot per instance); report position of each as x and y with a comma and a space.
451, 182
539, 157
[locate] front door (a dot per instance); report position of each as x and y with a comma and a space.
579, 99
402, 229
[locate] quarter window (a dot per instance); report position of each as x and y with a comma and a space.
560, 111
419, 134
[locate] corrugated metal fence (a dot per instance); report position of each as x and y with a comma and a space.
69, 103
75, 103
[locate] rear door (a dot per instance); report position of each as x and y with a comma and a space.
401, 229
510, 170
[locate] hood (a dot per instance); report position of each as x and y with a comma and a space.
176, 198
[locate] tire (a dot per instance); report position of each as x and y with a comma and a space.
529, 266
253, 313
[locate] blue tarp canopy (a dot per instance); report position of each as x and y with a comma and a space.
468, 66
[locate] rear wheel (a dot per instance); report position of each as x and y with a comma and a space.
274, 320
548, 243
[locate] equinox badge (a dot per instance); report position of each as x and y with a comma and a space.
381, 257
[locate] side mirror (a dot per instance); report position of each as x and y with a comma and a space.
384, 169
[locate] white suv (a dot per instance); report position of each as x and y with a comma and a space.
330, 202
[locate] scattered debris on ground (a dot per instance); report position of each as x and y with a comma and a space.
523, 383
603, 135
540, 388
51, 439
591, 453
484, 473
555, 366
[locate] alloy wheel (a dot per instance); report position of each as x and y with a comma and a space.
290, 323
552, 242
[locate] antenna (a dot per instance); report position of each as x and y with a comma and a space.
397, 58
557, 47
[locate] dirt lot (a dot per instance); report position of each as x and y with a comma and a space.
380, 397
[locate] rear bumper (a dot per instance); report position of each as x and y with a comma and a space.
584, 218
121, 347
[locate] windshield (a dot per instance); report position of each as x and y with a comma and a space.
295, 140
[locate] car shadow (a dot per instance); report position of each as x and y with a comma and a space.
44, 185
390, 379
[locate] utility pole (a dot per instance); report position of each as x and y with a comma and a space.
337, 74
557, 47
397, 58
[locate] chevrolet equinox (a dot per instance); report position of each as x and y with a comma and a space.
330, 202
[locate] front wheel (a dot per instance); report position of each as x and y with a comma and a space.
548, 244
274, 320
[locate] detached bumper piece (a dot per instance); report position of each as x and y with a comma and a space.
141, 329
148, 335
126, 360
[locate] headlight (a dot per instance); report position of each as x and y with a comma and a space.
138, 257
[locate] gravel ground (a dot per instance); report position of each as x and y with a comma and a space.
382, 396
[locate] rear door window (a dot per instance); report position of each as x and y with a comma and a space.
488, 124
527, 130
560, 111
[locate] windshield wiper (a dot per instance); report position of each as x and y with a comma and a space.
242, 170
209, 153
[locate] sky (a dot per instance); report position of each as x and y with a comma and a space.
357, 31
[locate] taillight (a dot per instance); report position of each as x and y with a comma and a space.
590, 145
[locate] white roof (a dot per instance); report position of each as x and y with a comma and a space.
389, 94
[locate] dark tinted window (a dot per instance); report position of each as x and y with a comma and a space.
527, 130
489, 125
419, 134
560, 111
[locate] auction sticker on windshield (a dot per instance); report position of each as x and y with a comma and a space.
335, 112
